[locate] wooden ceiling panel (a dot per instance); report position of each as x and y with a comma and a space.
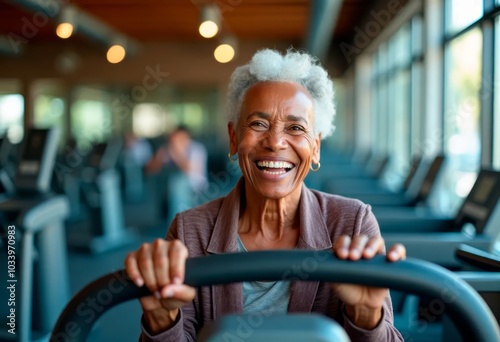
153, 20
177, 20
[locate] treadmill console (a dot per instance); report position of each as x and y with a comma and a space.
5, 150
478, 258
419, 192
105, 155
35, 166
481, 201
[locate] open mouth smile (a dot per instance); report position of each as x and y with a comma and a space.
274, 167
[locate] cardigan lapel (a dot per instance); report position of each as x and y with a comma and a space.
314, 235
227, 299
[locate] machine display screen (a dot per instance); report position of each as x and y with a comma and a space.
35, 144
483, 190
97, 154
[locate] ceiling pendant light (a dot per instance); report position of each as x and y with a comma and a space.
117, 51
226, 50
67, 22
209, 21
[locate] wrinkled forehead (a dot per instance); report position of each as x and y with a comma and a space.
278, 99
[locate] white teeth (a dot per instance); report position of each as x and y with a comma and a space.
275, 164
274, 172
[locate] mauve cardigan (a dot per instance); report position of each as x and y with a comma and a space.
212, 228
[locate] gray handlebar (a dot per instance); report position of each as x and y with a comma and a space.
462, 303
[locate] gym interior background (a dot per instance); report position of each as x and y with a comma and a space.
415, 81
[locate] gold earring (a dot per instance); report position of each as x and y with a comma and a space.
231, 159
314, 169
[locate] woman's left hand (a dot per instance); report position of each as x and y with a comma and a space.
363, 304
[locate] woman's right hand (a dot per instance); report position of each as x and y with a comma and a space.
160, 266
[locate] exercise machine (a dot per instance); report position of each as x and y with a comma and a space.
100, 187
436, 237
481, 270
373, 170
418, 186
6, 167
473, 216
469, 313
35, 251
350, 187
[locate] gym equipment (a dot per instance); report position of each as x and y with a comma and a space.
69, 163
363, 166
468, 311
373, 170
435, 238
6, 167
419, 184
487, 284
476, 210
355, 187
100, 185
136, 152
485, 276
133, 184
417, 193
41, 281
488, 261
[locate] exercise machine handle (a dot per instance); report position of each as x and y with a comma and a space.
462, 303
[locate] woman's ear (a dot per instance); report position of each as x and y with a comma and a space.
316, 149
233, 139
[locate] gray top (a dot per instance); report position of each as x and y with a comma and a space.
264, 297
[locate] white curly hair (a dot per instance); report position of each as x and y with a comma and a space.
294, 66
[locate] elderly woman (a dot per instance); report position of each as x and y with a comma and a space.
280, 107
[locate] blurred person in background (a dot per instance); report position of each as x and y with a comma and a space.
185, 161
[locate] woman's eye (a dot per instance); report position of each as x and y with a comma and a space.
258, 125
296, 128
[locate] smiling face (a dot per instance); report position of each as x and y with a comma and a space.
274, 138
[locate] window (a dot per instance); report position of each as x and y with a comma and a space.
417, 109
343, 118
150, 120
379, 134
399, 108
48, 105
391, 89
462, 117
188, 113
49, 111
417, 115
11, 110
400, 126
417, 34
90, 117
12, 117
496, 118
462, 13
401, 47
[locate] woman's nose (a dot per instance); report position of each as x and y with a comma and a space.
275, 140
